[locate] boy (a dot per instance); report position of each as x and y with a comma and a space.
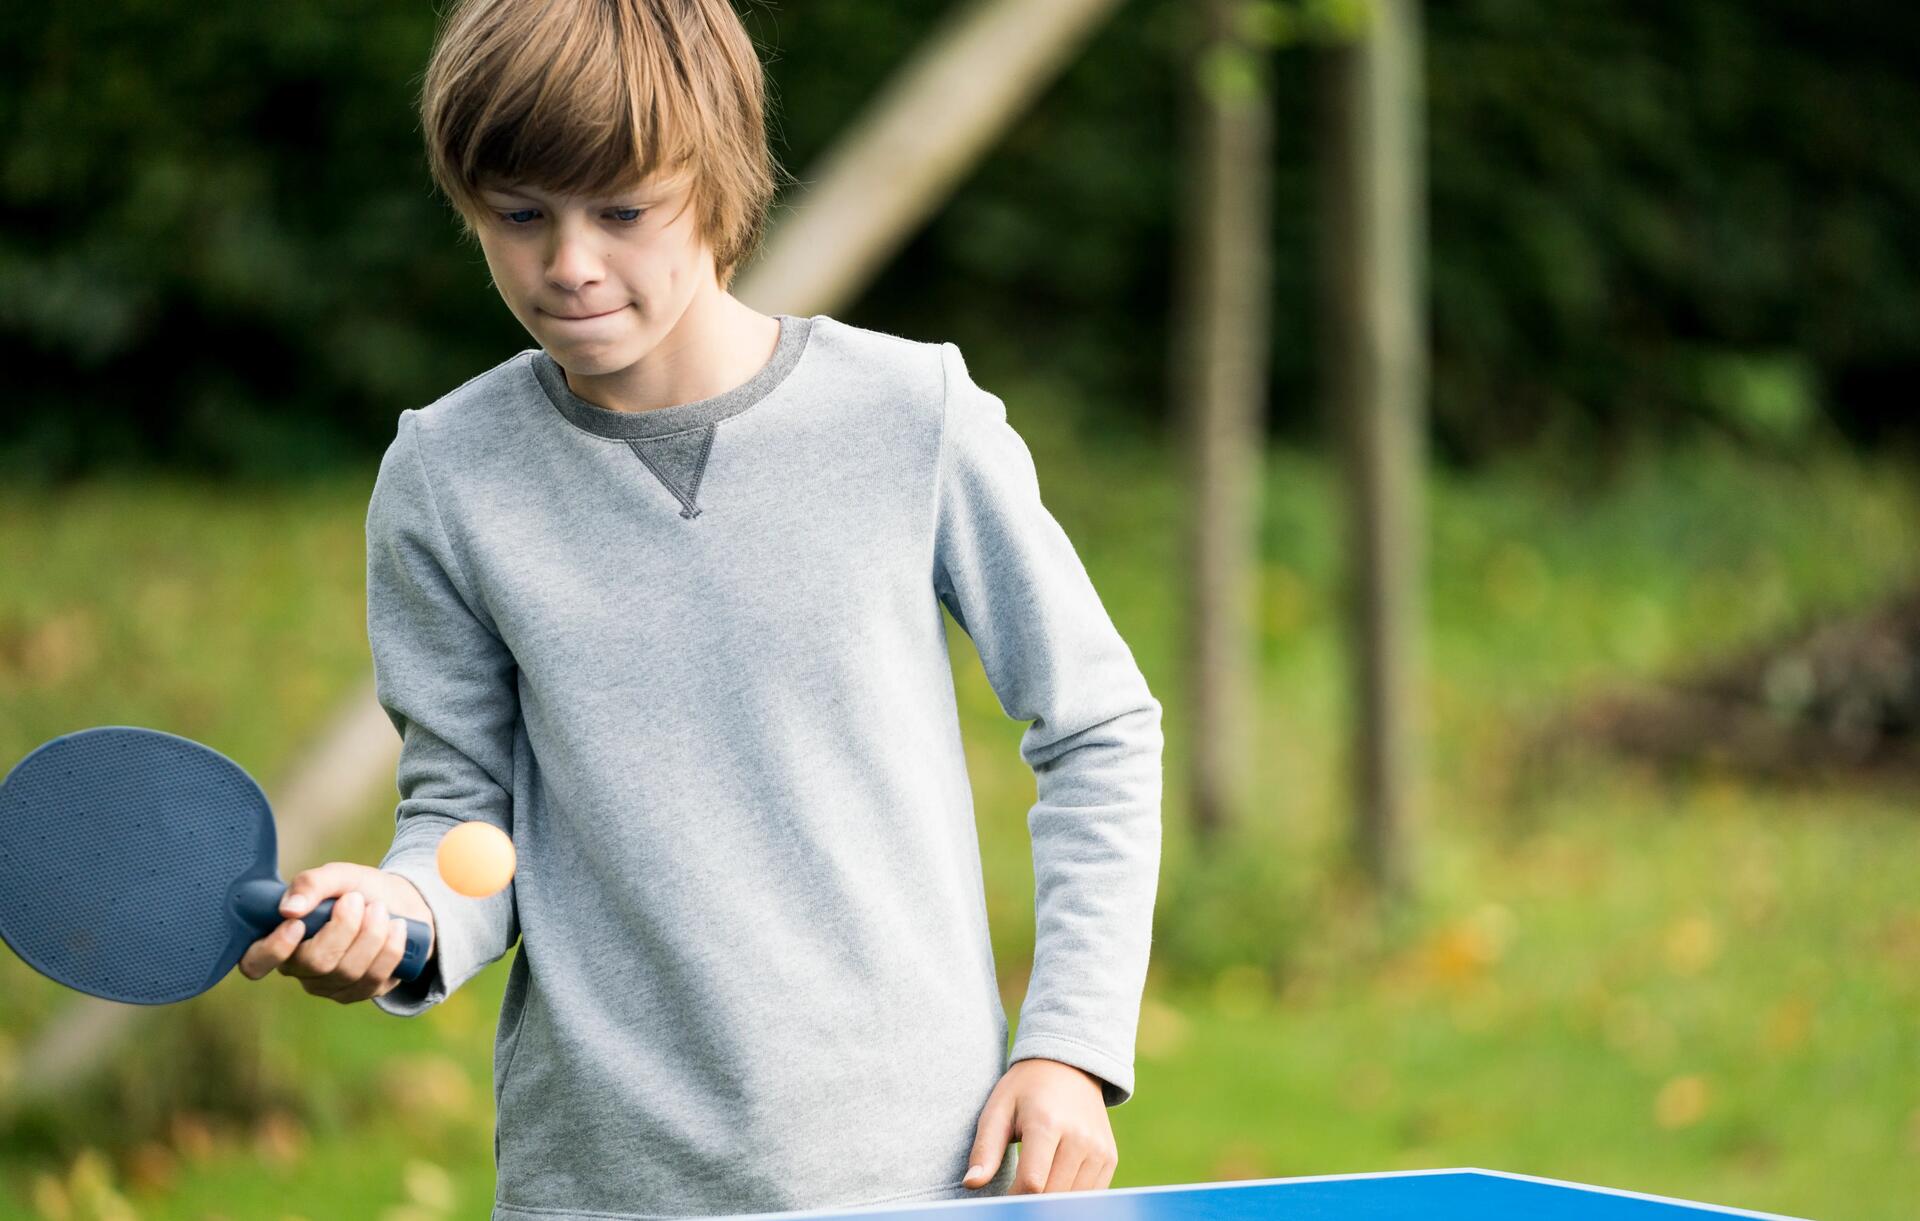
661, 599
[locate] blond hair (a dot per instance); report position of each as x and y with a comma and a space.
591, 97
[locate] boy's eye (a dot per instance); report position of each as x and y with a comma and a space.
626, 216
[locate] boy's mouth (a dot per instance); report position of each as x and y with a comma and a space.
583, 317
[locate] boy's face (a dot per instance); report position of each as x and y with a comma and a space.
635, 260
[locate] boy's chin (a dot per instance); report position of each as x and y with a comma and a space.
592, 353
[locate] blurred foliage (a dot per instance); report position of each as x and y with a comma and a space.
1647, 215
221, 250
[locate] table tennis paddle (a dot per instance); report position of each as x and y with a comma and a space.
138, 866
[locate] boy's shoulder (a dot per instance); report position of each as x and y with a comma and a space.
927, 378
871, 344
856, 362
478, 400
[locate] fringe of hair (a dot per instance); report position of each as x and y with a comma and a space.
593, 97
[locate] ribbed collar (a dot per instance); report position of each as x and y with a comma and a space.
630, 425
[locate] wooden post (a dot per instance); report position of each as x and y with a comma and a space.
1373, 213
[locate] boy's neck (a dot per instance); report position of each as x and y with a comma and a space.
719, 342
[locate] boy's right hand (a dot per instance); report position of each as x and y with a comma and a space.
353, 956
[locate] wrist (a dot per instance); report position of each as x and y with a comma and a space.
406, 900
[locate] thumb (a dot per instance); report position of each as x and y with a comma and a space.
989, 1145
310, 886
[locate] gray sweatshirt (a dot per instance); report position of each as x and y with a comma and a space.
692, 660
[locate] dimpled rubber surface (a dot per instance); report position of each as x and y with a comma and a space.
118, 848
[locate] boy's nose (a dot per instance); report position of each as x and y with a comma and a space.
571, 263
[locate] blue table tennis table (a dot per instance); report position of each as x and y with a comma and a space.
1425, 1195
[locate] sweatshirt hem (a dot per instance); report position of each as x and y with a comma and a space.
503, 1209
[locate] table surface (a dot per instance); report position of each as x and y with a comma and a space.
1430, 1195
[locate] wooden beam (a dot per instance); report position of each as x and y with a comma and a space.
898, 163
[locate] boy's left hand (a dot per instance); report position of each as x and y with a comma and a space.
1058, 1114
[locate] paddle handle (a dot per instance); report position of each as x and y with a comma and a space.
258, 902
419, 936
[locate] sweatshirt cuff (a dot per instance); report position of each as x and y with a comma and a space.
1115, 1074
459, 931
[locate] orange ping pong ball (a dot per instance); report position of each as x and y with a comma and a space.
475, 859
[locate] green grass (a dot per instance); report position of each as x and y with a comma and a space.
1691, 986
1589, 1003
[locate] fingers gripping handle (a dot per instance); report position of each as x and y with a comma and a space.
258, 902
411, 963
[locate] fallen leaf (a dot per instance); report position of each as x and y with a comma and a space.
151, 1166
428, 1185
58, 648
279, 1138
1241, 1159
91, 1191
1787, 1024
1681, 1101
428, 1086
50, 1198
191, 1135
1466, 948
1692, 945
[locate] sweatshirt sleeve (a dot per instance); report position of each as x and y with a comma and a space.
449, 685
1011, 579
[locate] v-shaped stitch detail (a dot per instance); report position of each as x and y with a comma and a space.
678, 460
